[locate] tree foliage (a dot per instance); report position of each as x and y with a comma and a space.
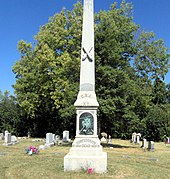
130, 69
9, 112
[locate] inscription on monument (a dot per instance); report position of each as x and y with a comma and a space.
86, 143
86, 95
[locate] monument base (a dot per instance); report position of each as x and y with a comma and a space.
86, 153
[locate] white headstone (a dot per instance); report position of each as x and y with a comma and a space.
152, 146
13, 138
54, 138
103, 139
7, 138
144, 143
110, 140
138, 138
49, 139
65, 136
5, 132
134, 137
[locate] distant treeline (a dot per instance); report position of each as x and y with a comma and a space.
130, 68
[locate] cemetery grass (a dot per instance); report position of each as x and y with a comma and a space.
125, 160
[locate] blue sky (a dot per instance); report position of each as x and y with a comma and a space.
21, 20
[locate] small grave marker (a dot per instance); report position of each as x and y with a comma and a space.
167, 142
144, 143
49, 139
65, 136
110, 140
151, 146
134, 137
7, 139
138, 138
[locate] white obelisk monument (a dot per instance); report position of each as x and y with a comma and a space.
86, 150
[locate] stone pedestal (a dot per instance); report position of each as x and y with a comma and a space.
86, 152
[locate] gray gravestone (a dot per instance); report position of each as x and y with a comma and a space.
151, 146
167, 142
7, 139
1, 136
29, 135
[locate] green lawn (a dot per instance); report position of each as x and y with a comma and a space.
125, 160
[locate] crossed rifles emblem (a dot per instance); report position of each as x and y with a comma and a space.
87, 55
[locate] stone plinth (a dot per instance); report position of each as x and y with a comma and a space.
86, 152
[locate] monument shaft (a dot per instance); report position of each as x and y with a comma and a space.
87, 70
87, 96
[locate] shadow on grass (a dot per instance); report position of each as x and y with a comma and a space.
65, 144
105, 145
115, 146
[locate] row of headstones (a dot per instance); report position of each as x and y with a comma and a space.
105, 140
151, 145
52, 139
8, 138
136, 140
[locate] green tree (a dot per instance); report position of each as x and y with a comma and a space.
48, 74
151, 59
9, 112
158, 122
168, 93
159, 92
